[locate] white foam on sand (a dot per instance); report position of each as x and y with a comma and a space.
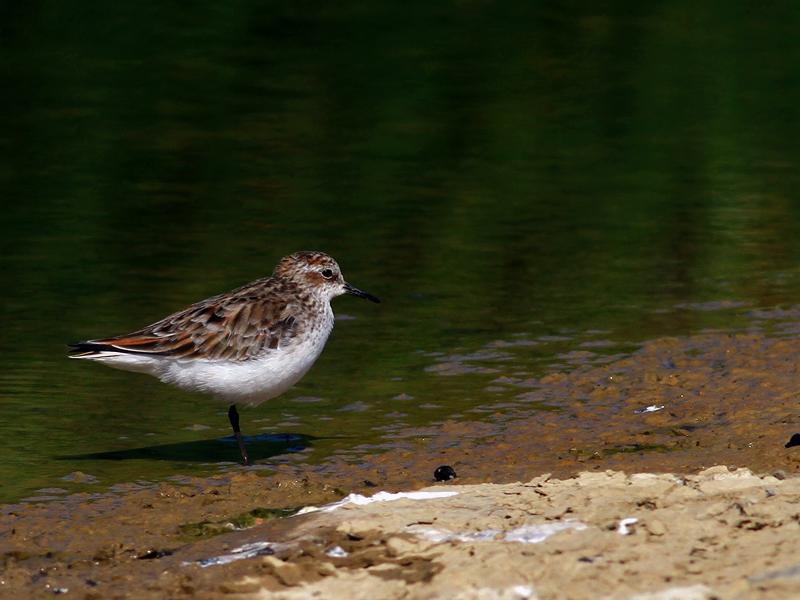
361, 500
256, 548
242, 552
527, 534
623, 525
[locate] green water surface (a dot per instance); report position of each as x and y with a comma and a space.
584, 172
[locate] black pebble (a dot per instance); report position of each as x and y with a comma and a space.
368, 483
444, 473
794, 441
154, 554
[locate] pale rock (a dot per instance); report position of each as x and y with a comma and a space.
714, 471
289, 574
713, 510
655, 527
397, 546
357, 527
693, 592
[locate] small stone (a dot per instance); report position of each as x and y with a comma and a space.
655, 527
289, 574
555, 512
396, 546
326, 569
713, 471
444, 473
357, 528
793, 441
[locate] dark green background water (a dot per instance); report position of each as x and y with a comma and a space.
485, 168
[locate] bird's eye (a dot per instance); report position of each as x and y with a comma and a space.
327, 273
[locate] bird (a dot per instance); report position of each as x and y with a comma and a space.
243, 347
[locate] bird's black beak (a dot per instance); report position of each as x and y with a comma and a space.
354, 291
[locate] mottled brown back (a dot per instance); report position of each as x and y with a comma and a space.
237, 325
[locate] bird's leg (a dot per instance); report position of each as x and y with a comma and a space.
233, 416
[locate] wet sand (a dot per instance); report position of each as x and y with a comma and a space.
729, 402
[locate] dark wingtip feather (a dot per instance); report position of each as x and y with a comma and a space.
90, 346
80, 349
84, 346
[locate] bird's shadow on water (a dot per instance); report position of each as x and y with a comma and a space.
260, 447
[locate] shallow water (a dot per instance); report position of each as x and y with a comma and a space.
531, 182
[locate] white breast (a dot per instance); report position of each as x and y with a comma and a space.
258, 379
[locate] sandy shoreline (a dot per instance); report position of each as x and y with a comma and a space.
723, 534
729, 400
718, 534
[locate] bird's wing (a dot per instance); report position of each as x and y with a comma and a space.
234, 326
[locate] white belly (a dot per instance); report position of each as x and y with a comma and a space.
248, 382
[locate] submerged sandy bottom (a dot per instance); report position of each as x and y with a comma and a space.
729, 400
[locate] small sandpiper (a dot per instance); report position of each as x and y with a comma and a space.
245, 346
